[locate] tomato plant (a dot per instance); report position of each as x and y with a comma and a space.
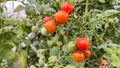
60, 34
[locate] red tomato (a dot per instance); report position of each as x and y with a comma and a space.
61, 17
103, 62
50, 26
68, 7
78, 56
87, 53
46, 19
83, 43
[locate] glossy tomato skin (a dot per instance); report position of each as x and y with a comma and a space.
68, 7
50, 26
78, 56
103, 62
83, 43
61, 17
46, 19
87, 54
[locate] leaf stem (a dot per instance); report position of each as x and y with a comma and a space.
86, 8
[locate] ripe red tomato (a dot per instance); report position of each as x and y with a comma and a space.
103, 62
83, 43
87, 53
46, 19
68, 7
78, 56
50, 26
61, 17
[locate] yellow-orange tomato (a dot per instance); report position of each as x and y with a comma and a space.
50, 26
61, 17
103, 62
78, 56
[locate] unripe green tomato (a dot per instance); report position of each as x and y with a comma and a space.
43, 31
35, 28
72, 46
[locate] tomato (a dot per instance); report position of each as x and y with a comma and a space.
35, 28
61, 17
43, 31
103, 62
78, 56
83, 43
71, 46
68, 7
87, 53
46, 19
50, 26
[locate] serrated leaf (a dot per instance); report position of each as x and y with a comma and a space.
19, 8
115, 60
52, 58
109, 50
54, 51
7, 54
65, 48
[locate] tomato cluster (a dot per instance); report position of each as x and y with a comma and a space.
60, 17
82, 52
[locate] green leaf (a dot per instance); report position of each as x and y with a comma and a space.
102, 1
57, 65
1, 1
54, 51
65, 48
19, 8
70, 66
109, 50
52, 58
25, 27
55, 39
22, 58
7, 54
115, 60
6, 36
